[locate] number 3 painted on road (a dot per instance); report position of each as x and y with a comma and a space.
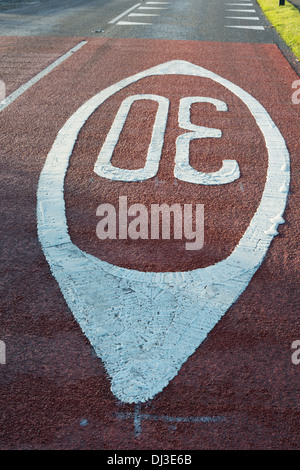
183, 170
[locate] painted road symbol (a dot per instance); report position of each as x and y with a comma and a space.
2, 352
182, 170
118, 308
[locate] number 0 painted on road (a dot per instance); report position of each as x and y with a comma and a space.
103, 166
183, 170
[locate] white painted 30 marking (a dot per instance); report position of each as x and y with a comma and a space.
183, 170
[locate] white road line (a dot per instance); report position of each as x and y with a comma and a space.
247, 27
131, 23
247, 11
157, 3
143, 14
241, 4
13, 96
255, 18
123, 14
152, 8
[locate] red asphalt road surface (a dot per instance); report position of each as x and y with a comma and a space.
55, 392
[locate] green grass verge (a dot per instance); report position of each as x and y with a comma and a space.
286, 20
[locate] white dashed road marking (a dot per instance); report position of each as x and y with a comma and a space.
252, 18
246, 18
246, 27
130, 23
124, 14
154, 6
247, 11
143, 14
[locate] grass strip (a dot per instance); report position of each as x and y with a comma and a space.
286, 20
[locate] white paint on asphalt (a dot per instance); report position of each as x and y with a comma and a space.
142, 14
13, 96
103, 166
284, 188
183, 171
117, 18
246, 27
2, 352
247, 11
254, 18
132, 23
145, 325
246, 18
152, 8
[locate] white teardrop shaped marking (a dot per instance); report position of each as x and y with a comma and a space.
145, 325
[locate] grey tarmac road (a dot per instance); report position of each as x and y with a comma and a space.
296, 3
221, 20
